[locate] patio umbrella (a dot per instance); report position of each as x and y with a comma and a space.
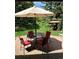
34, 12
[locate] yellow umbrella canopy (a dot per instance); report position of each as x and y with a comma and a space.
34, 12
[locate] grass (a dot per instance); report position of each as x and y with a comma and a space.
55, 33
19, 33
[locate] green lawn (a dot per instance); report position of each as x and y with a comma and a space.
56, 33
19, 33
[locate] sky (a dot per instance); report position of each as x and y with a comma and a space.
39, 4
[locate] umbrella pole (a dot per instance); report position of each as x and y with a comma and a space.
35, 34
35, 29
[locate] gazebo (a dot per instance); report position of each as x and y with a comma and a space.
54, 23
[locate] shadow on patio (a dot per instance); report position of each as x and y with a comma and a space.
41, 56
54, 45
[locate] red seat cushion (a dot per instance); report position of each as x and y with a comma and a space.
39, 40
26, 42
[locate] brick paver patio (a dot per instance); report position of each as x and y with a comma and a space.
55, 44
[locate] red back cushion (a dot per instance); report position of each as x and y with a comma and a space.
48, 34
40, 40
31, 34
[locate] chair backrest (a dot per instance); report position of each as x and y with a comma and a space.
40, 40
30, 34
47, 36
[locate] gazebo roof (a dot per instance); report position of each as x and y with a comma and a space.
54, 22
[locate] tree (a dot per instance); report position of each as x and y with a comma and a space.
21, 5
56, 7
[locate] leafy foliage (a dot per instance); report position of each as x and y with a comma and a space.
25, 24
56, 7
21, 5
